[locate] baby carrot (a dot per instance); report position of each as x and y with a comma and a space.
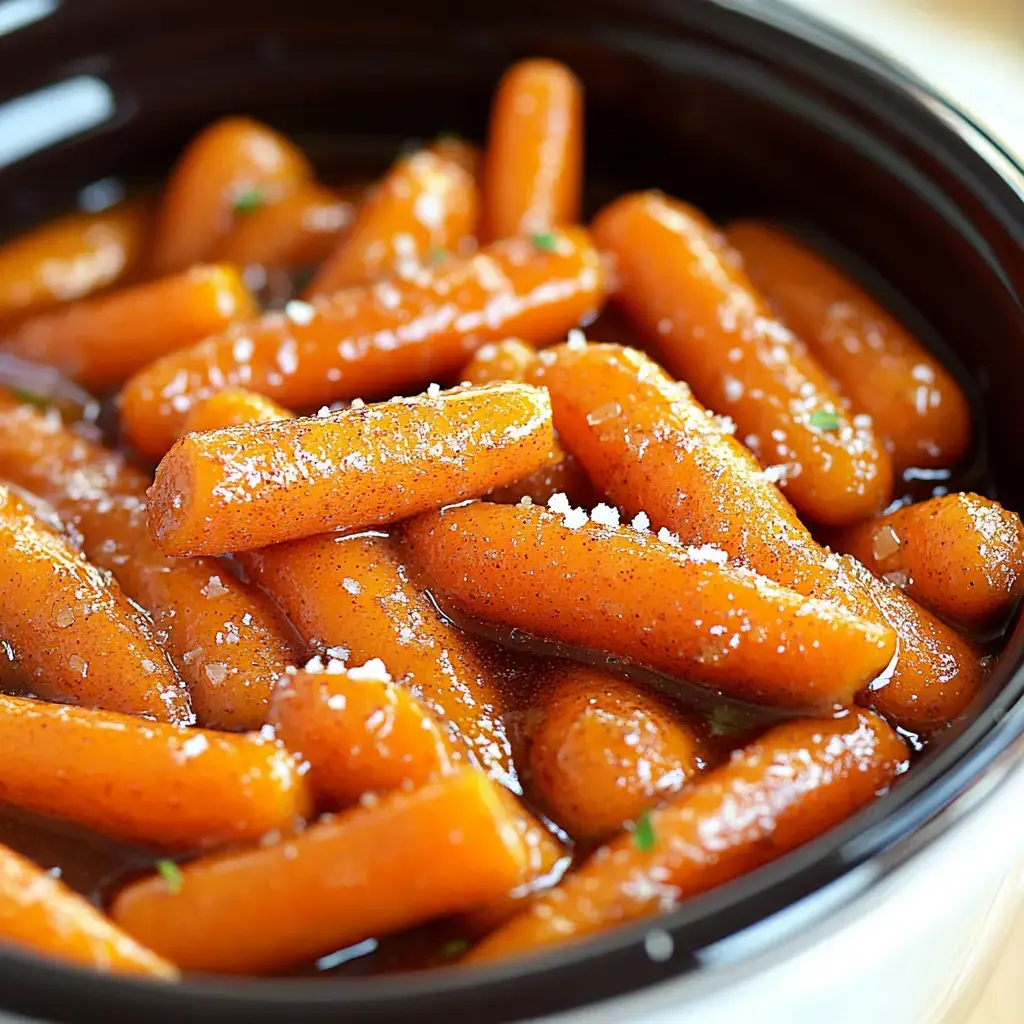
603, 750
376, 341
101, 342
960, 555
372, 610
231, 168
458, 151
229, 642
74, 635
411, 857
682, 610
533, 167
653, 449
914, 402
681, 284
300, 230
231, 407
511, 359
71, 257
251, 485
146, 782
39, 913
425, 207
797, 781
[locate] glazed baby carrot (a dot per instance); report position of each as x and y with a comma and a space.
374, 342
299, 230
533, 167
411, 857
146, 782
960, 555
101, 342
654, 450
458, 151
425, 205
613, 588
74, 635
231, 407
915, 403
796, 782
251, 485
603, 750
71, 257
351, 596
681, 284
511, 359
229, 642
39, 913
229, 169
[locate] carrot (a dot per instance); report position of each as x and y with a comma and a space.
71, 257
39, 913
74, 635
648, 445
251, 485
351, 597
446, 847
458, 151
374, 342
229, 642
681, 284
533, 168
231, 407
796, 782
603, 750
616, 589
513, 359
146, 782
961, 555
232, 167
101, 342
300, 230
913, 401
426, 207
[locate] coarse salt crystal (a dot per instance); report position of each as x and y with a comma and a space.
576, 340
559, 503
357, 403
434, 390
605, 515
575, 518
707, 553
666, 536
324, 410
315, 664
641, 522
373, 670
299, 312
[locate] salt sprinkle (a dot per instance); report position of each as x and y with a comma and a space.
324, 410
434, 390
641, 522
577, 340
605, 515
707, 553
299, 312
373, 670
315, 664
666, 536
357, 403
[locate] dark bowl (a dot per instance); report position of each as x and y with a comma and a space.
739, 107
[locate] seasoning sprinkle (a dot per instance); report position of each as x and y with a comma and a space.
545, 241
249, 200
171, 874
643, 833
825, 419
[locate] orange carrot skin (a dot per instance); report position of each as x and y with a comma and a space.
372, 610
446, 847
458, 151
914, 402
300, 230
39, 913
426, 204
146, 782
232, 407
75, 636
960, 555
533, 167
228, 640
235, 159
252, 485
683, 286
101, 342
359, 735
71, 257
604, 750
376, 341
638, 597
796, 782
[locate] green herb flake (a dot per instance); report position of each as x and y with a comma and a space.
724, 721
545, 241
171, 874
249, 200
454, 949
825, 419
643, 833
29, 398
437, 255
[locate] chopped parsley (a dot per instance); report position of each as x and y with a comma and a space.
29, 397
249, 200
643, 833
436, 255
171, 874
825, 419
725, 720
545, 241
454, 949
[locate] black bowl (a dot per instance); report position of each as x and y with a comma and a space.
739, 107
